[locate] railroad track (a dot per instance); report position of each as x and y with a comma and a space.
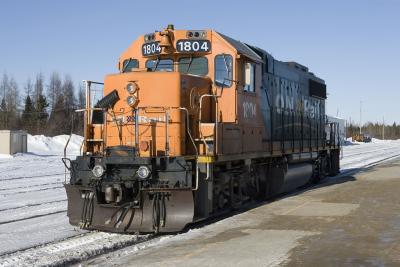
33, 205
33, 217
30, 177
2, 189
30, 190
32, 211
363, 151
73, 249
361, 160
91, 244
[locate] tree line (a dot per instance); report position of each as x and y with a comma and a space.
376, 130
41, 107
47, 107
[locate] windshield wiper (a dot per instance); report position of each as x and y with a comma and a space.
157, 62
190, 63
227, 69
127, 64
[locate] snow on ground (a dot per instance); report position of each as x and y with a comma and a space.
32, 197
358, 155
34, 228
43, 145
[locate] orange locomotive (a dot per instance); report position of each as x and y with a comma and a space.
193, 124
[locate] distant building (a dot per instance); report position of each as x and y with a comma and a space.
342, 127
12, 142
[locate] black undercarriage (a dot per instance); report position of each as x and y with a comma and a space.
174, 191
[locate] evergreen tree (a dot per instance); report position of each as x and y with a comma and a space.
56, 123
28, 115
38, 88
69, 104
41, 114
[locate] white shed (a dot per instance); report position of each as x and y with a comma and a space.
342, 126
12, 142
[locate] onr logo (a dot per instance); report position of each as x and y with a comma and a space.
249, 110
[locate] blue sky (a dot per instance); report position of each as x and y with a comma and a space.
353, 45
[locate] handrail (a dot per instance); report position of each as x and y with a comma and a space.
187, 126
89, 109
85, 137
215, 123
208, 171
137, 131
188, 129
64, 159
166, 111
167, 133
87, 81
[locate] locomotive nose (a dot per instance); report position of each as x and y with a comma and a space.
145, 89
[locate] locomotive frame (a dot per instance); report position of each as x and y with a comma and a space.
208, 124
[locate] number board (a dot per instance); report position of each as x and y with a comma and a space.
188, 46
152, 48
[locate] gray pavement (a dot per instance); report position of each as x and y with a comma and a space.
348, 221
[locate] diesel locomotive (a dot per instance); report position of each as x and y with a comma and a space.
196, 123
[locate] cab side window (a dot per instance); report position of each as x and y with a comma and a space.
223, 70
249, 81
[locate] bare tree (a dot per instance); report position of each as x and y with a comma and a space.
54, 89
9, 118
28, 87
38, 88
4, 86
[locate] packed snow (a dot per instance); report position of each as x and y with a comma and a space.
43, 145
34, 228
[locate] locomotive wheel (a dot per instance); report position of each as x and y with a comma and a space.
221, 201
261, 183
235, 192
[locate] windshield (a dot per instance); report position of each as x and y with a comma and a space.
160, 64
195, 66
130, 64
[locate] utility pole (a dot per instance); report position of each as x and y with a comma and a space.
383, 128
350, 128
360, 116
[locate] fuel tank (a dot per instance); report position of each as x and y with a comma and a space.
282, 180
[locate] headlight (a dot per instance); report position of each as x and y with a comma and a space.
143, 172
131, 100
98, 171
131, 88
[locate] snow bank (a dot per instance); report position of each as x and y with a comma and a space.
43, 145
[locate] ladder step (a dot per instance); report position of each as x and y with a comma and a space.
205, 139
